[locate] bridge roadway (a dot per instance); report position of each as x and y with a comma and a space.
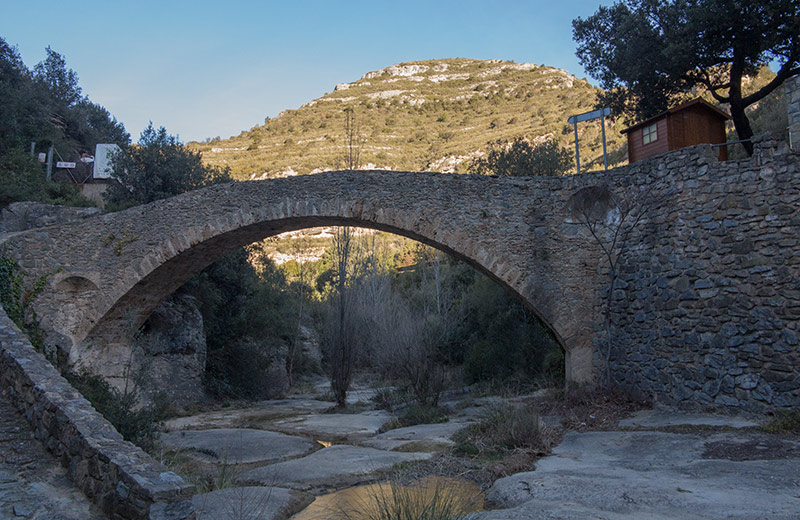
33, 485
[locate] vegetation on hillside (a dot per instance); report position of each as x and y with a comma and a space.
157, 167
44, 107
424, 320
521, 158
433, 115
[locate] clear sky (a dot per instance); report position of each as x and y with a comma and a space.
205, 69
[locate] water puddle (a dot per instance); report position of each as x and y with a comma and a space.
427, 498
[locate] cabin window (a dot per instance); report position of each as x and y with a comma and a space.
649, 134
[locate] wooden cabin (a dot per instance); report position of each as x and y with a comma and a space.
693, 122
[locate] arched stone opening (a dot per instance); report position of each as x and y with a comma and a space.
103, 350
516, 231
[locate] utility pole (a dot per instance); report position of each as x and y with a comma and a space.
50, 162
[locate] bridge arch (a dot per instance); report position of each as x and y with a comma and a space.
115, 270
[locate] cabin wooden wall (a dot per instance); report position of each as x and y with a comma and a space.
638, 151
691, 126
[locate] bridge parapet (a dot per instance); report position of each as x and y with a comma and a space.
122, 479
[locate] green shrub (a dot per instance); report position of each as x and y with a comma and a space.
785, 421
505, 341
521, 158
502, 430
416, 413
249, 320
137, 425
16, 302
385, 399
22, 178
11, 297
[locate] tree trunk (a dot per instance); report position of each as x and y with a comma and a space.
740, 121
742, 125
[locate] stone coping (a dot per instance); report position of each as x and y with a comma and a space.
121, 478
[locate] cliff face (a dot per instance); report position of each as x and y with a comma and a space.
435, 115
171, 356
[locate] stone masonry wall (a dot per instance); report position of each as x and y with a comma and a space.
706, 309
793, 109
126, 482
708, 302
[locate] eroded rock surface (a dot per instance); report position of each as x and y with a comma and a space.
239, 446
350, 426
173, 349
327, 466
648, 474
242, 503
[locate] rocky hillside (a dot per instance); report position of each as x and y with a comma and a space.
425, 115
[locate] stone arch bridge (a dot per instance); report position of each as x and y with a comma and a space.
714, 232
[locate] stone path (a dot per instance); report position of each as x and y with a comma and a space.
33, 485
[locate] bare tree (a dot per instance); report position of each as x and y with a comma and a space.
610, 217
291, 356
342, 351
353, 140
406, 352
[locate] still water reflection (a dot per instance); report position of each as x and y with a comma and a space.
427, 498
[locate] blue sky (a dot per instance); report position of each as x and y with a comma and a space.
203, 69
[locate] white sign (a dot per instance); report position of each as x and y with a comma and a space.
103, 154
42, 157
62, 164
586, 116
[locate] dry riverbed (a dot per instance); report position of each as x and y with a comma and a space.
610, 460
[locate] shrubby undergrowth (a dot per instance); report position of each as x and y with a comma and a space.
137, 424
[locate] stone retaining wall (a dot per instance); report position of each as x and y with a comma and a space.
793, 110
125, 481
707, 307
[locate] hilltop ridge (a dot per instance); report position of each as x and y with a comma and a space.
435, 115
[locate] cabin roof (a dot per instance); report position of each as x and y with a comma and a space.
683, 106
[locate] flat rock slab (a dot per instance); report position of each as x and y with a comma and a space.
386, 444
660, 418
615, 475
439, 433
242, 503
361, 396
327, 466
262, 412
239, 446
350, 426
